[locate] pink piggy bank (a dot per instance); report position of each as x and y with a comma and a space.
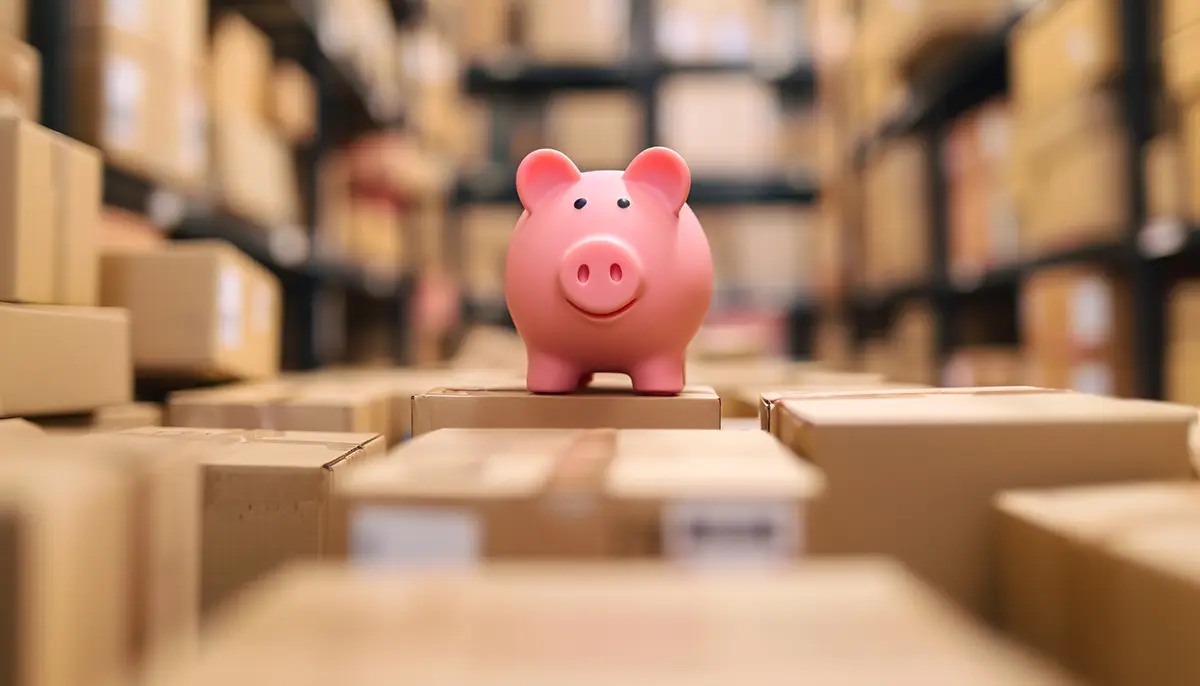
607, 271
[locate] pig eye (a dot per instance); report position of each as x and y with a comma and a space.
623, 203
580, 202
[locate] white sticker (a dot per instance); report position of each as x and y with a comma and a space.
679, 36
1091, 312
1092, 377
731, 40
725, 532
127, 15
229, 308
261, 311
1080, 48
409, 536
193, 142
124, 84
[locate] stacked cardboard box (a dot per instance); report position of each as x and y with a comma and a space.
1182, 364
896, 223
1070, 146
139, 80
20, 65
253, 172
1181, 27
763, 253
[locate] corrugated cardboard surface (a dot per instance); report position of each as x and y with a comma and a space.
267, 498
913, 475
61, 360
599, 406
578, 494
840, 622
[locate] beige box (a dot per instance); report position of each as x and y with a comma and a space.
913, 476
104, 419
64, 547
267, 498
20, 78
1080, 38
596, 130
585, 31
12, 19
62, 360
622, 623
240, 65
182, 154
27, 245
485, 234
691, 496
1155, 590
185, 30
602, 405
293, 102
712, 31
1179, 15
253, 171
78, 188
739, 132
1055, 590
295, 406
199, 309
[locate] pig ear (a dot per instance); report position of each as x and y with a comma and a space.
665, 171
540, 173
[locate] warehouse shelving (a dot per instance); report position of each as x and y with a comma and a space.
1144, 255
347, 107
519, 77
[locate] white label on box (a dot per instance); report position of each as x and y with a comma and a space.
1080, 48
1091, 312
261, 314
1092, 377
394, 536
124, 84
193, 144
127, 15
732, 532
731, 40
229, 308
679, 36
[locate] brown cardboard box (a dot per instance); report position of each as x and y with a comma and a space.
750, 402
770, 411
621, 623
975, 366
182, 154
27, 247
104, 419
1055, 589
585, 31
266, 498
599, 406
1181, 53
185, 30
1191, 160
1182, 369
63, 545
739, 133
124, 230
61, 360
1155, 585
240, 69
501, 493
484, 32
163, 519
1179, 15
914, 476
253, 171
293, 102
1165, 182
720, 31
12, 19
485, 233
118, 83
233, 310
142, 18
727, 378
20, 79
596, 130
1079, 37
295, 406
488, 347
78, 182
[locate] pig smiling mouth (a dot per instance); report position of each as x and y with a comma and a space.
606, 316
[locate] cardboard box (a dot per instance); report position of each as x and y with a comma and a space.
285, 407
118, 83
622, 623
914, 476
78, 189
185, 30
267, 498
240, 69
104, 419
739, 132
27, 248
1179, 15
12, 19
596, 130
590, 31
1155, 584
1079, 37
63, 556
602, 405
63, 360
20, 78
696, 497
1055, 590
1180, 55
485, 233
253, 171
1165, 182
232, 325
714, 31
181, 157
1182, 369
293, 103
975, 366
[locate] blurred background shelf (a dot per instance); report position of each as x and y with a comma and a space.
497, 188
517, 77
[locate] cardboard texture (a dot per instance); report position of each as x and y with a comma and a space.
63, 360
267, 498
862, 622
200, 309
286, 406
459, 495
600, 405
64, 545
1055, 586
913, 476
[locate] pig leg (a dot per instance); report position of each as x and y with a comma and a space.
586, 380
547, 374
658, 376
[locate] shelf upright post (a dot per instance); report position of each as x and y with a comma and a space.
644, 13
50, 33
1146, 282
944, 307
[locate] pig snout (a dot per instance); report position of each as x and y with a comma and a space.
600, 276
